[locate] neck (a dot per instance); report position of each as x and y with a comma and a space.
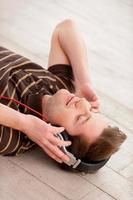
44, 106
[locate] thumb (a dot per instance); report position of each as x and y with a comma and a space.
60, 129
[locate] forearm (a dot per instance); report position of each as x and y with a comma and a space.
73, 45
10, 117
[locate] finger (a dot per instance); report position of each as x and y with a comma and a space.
52, 126
58, 142
94, 104
56, 151
56, 130
94, 110
50, 154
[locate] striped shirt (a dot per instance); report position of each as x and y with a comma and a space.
27, 82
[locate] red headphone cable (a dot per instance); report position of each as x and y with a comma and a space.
22, 104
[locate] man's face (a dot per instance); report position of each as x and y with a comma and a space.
74, 114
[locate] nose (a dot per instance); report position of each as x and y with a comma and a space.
83, 103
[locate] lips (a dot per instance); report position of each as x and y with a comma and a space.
69, 99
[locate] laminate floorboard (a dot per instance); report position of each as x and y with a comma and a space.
107, 26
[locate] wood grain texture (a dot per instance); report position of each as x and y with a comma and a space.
17, 183
107, 26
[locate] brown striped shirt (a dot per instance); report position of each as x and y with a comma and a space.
27, 82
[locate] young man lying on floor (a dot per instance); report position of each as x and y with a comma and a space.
63, 94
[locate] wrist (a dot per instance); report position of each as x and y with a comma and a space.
81, 85
22, 122
85, 81
82, 76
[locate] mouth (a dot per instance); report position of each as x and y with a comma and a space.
69, 99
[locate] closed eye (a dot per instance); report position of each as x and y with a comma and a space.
80, 116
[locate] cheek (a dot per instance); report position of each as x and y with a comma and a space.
68, 122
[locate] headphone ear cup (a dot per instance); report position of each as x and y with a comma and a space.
65, 135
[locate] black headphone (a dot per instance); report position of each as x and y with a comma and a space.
76, 164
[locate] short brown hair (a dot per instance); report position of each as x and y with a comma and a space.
107, 144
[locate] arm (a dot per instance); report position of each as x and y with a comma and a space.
73, 45
68, 47
37, 130
10, 117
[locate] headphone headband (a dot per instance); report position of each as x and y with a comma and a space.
77, 164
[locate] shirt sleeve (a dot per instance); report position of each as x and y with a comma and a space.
65, 73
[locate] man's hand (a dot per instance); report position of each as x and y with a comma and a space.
86, 90
44, 135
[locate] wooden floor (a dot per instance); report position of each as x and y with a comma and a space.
26, 27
